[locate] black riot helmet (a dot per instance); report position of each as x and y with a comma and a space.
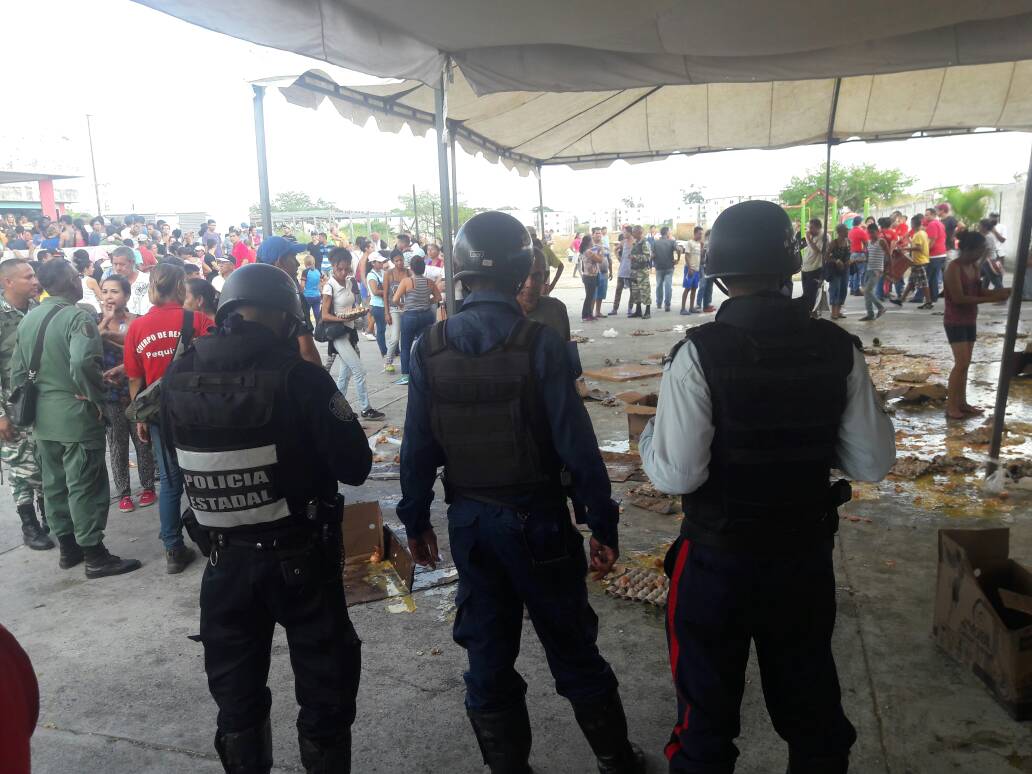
494, 245
752, 238
264, 285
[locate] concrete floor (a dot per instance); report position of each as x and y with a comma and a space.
123, 689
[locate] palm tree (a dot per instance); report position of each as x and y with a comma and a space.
969, 206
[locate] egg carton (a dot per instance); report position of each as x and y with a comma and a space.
640, 585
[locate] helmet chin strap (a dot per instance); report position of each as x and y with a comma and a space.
720, 284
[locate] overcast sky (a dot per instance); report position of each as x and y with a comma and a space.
173, 129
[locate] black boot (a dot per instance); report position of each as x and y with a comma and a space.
605, 727
328, 756
246, 752
504, 739
71, 553
648, 313
42, 514
32, 533
101, 563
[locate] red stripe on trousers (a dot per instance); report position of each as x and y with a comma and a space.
675, 647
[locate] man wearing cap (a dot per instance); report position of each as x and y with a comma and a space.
491, 398
755, 409
374, 283
280, 252
226, 265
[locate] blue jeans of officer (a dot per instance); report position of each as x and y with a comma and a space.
721, 601
170, 493
664, 287
507, 560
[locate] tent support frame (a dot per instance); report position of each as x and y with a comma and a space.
541, 206
441, 124
264, 200
827, 160
1013, 317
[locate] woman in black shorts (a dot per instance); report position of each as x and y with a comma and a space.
963, 294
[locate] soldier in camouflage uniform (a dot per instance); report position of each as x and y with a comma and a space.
18, 453
641, 264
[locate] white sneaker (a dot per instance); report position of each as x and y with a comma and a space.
369, 337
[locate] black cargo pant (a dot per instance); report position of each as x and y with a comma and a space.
244, 594
720, 601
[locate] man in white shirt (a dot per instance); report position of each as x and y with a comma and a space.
226, 264
814, 252
755, 410
409, 248
123, 261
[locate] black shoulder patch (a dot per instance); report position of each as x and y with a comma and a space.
340, 408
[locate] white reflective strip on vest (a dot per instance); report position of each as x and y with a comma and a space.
232, 488
225, 519
227, 460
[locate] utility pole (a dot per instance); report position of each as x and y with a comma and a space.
93, 163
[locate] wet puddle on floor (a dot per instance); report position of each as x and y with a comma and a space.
941, 463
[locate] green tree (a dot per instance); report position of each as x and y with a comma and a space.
851, 185
692, 196
292, 201
969, 206
429, 205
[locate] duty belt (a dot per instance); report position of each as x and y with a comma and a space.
284, 541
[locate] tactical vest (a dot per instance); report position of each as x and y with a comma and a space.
486, 414
235, 438
778, 393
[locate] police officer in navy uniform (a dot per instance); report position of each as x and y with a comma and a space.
263, 437
492, 399
755, 409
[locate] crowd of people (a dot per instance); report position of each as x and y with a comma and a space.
140, 288
636, 255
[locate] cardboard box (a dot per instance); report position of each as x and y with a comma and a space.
363, 533
981, 613
640, 408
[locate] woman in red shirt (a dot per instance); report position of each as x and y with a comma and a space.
150, 344
963, 294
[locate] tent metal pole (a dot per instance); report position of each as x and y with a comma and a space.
441, 123
1013, 317
541, 206
415, 211
827, 160
264, 200
454, 184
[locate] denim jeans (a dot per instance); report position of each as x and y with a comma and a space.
664, 285
603, 287
351, 365
381, 327
170, 494
935, 269
393, 333
705, 291
590, 289
838, 286
856, 271
811, 287
412, 326
315, 304
872, 279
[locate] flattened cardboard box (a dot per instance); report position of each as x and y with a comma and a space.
980, 613
363, 533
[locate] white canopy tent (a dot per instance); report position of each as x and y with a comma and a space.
586, 82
